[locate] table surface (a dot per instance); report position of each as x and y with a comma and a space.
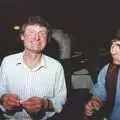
81, 81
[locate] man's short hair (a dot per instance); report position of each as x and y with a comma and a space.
32, 20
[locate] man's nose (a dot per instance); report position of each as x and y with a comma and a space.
38, 36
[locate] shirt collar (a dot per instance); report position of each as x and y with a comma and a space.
42, 62
19, 58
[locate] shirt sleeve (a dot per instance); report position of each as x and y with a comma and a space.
99, 88
3, 85
60, 90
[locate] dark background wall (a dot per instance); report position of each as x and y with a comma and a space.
92, 23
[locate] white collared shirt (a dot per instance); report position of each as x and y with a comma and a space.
46, 81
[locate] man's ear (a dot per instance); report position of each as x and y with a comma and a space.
22, 37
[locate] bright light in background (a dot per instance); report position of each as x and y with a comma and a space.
16, 27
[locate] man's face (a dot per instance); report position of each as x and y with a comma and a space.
115, 51
35, 38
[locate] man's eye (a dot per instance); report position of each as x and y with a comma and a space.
118, 45
31, 32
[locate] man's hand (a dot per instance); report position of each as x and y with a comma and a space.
10, 101
93, 105
35, 104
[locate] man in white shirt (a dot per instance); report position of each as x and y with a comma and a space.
32, 85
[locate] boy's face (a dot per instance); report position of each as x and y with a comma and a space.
115, 51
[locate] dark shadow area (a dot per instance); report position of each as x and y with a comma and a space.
53, 49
